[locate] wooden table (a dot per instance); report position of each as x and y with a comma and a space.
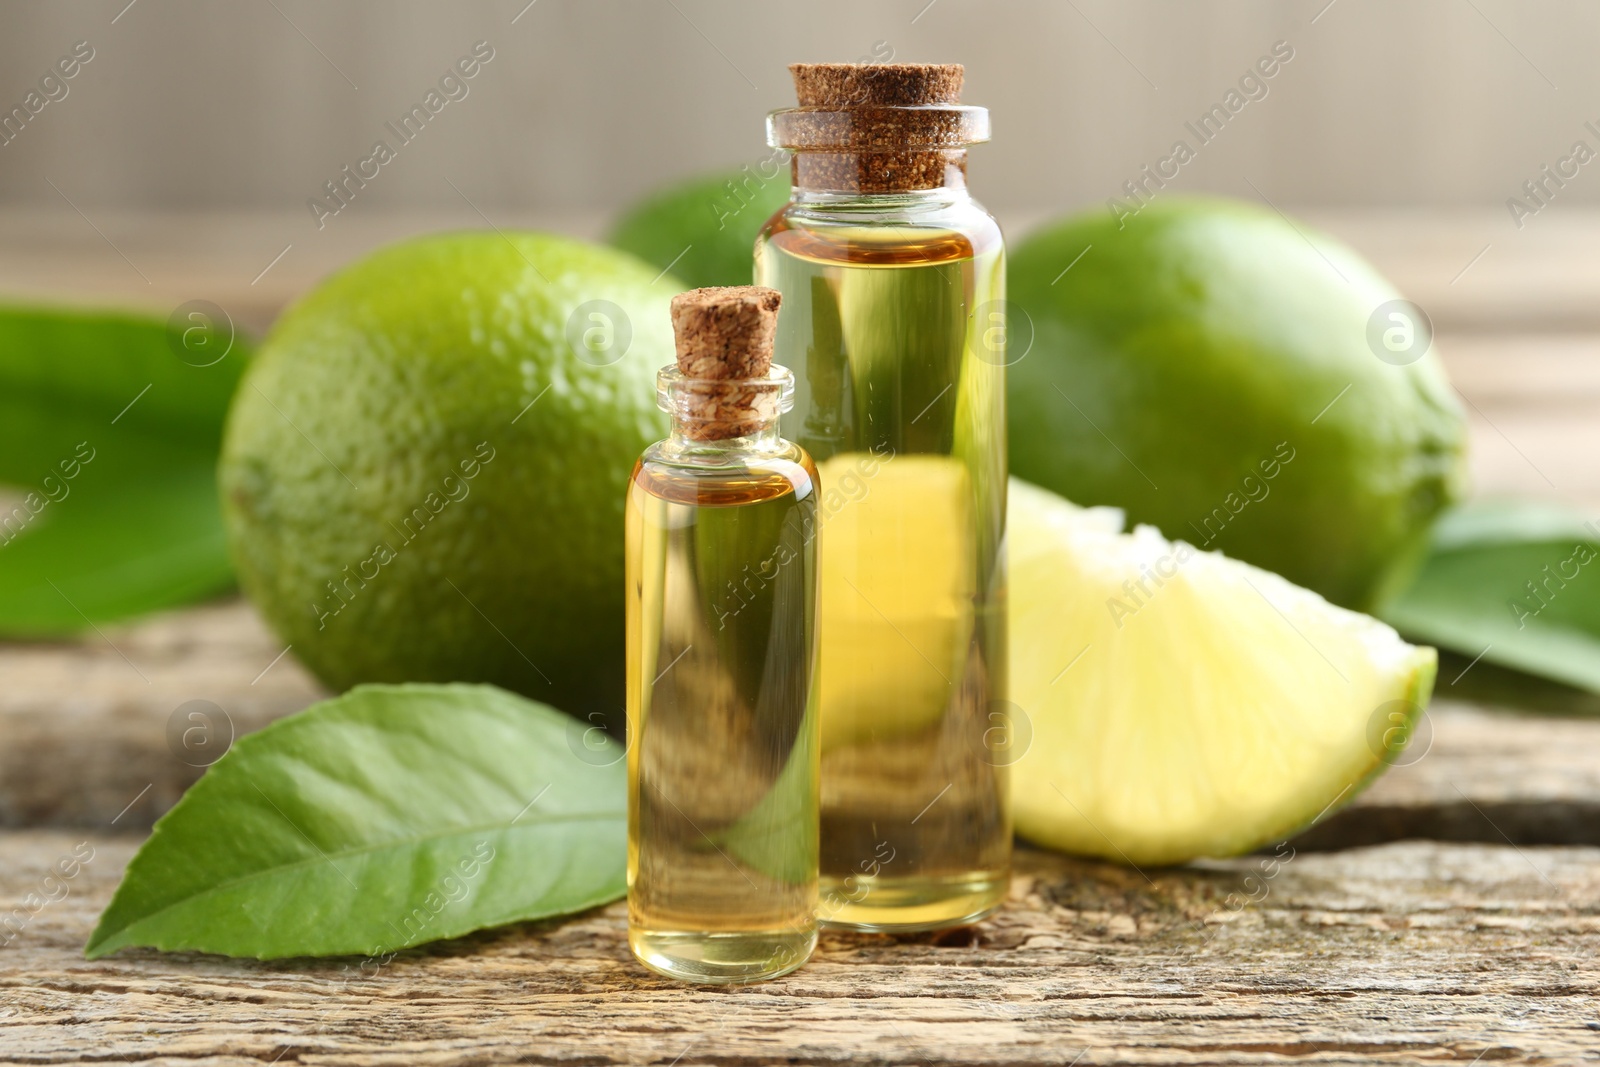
1452, 913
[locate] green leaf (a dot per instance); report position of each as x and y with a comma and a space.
390, 816
109, 431
1518, 583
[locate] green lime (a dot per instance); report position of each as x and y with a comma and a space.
704, 230
1216, 370
424, 469
1175, 703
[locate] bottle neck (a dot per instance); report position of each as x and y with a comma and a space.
722, 417
860, 206
857, 145
891, 173
685, 440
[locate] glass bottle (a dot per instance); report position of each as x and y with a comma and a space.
893, 281
722, 660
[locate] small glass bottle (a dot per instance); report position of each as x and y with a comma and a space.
722, 659
893, 282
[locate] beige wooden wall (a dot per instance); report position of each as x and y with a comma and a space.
585, 103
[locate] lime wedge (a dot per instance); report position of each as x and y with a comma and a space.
1181, 703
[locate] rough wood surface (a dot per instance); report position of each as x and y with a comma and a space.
85, 734
1480, 776
94, 729
1405, 953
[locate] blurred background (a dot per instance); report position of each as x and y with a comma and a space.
180, 160
252, 106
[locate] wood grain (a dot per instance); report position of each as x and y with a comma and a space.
1476, 775
1405, 953
95, 725
87, 727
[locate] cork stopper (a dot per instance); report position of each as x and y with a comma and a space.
878, 127
725, 338
725, 331
880, 84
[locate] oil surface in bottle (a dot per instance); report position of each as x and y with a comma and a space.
722, 833
900, 397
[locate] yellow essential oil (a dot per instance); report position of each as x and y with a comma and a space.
894, 320
722, 676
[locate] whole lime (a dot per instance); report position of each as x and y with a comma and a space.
1217, 371
424, 469
704, 230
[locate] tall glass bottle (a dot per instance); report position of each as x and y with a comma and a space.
893, 281
722, 660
